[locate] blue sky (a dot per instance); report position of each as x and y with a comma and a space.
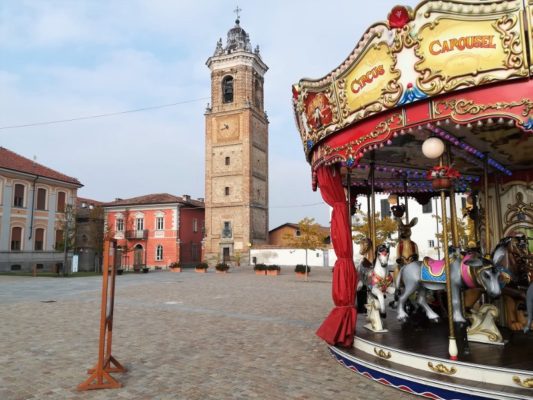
67, 59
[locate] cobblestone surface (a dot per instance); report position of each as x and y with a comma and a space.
181, 336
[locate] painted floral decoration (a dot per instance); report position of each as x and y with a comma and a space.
443, 172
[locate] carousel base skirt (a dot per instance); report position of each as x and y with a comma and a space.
415, 360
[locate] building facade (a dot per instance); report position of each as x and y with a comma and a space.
36, 214
156, 230
236, 151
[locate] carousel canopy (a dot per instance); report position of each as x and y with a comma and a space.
460, 71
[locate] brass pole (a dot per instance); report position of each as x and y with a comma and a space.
373, 202
453, 209
498, 207
486, 204
452, 344
349, 197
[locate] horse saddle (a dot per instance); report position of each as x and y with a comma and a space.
432, 271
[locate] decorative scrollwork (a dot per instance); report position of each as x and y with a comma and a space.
526, 383
510, 40
468, 107
442, 369
382, 353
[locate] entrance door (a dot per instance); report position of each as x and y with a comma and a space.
138, 256
225, 254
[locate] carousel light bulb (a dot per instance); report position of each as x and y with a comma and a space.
433, 147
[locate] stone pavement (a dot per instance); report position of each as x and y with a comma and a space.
181, 336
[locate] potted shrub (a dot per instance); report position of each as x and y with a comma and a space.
273, 270
175, 267
300, 269
260, 269
146, 270
202, 267
221, 268
120, 271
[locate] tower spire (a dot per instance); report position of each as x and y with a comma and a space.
237, 12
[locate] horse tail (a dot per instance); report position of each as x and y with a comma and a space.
399, 278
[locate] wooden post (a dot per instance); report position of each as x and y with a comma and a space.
100, 377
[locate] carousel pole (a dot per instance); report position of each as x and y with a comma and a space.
452, 344
453, 209
373, 201
405, 200
498, 206
487, 246
437, 220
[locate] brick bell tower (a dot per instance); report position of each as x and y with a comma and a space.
236, 151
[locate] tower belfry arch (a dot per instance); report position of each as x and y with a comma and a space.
236, 150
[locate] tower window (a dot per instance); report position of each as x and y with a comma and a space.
227, 89
227, 161
226, 190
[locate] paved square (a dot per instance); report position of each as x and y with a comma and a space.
181, 336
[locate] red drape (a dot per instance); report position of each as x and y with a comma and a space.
339, 327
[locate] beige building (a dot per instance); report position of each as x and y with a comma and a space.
236, 152
36, 214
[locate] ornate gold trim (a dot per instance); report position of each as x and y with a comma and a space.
442, 369
526, 383
382, 353
466, 107
384, 127
510, 41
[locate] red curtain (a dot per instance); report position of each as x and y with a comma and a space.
339, 327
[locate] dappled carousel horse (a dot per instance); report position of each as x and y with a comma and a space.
469, 271
364, 268
380, 280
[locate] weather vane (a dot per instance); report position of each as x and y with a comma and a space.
237, 11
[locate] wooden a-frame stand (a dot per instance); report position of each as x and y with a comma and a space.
100, 377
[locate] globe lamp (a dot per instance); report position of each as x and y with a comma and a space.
433, 147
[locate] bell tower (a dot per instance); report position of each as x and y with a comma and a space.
236, 151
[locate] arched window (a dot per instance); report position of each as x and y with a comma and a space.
41, 199
61, 201
258, 94
39, 239
159, 253
18, 198
227, 89
16, 238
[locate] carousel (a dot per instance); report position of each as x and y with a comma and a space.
434, 103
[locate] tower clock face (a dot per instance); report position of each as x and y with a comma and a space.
228, 128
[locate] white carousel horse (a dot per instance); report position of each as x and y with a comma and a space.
381, 281
372, 316
470, 271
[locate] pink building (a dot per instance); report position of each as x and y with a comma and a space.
156, 230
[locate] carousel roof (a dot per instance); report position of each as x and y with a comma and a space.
458, 70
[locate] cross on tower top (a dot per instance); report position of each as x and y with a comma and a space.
237, 12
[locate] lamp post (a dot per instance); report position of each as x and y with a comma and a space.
434, 148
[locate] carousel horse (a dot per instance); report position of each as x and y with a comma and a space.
364, 269
381, 281
407, 250
529, 305
469, 271
513, 254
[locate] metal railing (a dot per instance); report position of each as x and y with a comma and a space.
142, 234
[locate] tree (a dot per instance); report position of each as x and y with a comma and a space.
311, 237
67, 224
462, 230
385, 228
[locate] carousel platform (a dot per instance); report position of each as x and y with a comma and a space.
415, 360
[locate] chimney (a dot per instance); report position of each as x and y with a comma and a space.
186, 197
201, 199
118, 199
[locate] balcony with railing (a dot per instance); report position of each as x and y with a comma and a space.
140, 234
